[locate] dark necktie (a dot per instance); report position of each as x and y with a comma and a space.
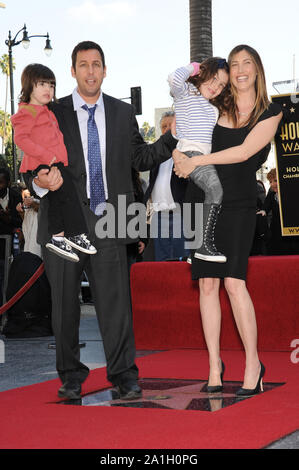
97, 191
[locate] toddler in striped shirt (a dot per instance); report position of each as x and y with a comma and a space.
199, 91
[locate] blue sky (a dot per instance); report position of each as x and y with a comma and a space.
144, 41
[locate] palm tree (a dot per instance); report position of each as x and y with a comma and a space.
4, 65
201, 45
5, 126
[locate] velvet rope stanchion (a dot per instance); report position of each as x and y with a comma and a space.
23, 289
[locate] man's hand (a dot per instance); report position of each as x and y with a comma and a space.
49, 179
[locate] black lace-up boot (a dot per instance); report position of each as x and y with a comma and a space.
208, 250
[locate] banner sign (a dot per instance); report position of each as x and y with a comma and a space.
287, 163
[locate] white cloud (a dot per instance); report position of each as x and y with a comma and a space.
100, 12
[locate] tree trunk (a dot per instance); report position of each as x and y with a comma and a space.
201, 45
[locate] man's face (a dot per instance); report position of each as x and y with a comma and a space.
166, 124
89, 73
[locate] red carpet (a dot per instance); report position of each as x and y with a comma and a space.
166, 316
166, 305
32, 419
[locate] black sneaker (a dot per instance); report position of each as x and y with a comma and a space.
81, 243
63, 249
210, 254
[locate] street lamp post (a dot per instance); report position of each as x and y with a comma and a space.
26, 43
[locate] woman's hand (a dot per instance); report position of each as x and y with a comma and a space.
183, 165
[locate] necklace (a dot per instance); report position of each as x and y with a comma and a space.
245, 114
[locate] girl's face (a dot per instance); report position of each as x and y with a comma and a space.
42, 93
215, 85
243, 71
273, 185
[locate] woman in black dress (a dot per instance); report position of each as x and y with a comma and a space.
239, 146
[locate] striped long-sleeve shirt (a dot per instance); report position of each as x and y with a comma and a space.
195, 115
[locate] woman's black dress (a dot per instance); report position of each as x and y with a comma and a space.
236, 222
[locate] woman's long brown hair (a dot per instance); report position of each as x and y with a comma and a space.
261, 101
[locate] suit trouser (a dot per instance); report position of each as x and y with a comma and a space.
107, 273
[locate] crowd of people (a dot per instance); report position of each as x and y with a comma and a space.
83, 151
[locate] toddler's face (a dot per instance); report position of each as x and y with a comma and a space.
215, 85
42, 93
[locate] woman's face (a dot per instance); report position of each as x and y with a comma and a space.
243, 71
215, 85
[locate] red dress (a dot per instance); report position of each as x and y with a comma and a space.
37, 134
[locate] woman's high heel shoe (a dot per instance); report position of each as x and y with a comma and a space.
217, 388
259, 386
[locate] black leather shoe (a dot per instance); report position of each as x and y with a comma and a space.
70, 390
129, 390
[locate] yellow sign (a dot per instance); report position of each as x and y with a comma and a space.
287, 163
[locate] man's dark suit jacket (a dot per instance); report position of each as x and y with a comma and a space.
122, 141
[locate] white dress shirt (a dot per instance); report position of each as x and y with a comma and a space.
161, 196
83, 115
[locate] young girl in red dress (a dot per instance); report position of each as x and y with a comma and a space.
37, 134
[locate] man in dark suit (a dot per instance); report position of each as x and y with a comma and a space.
166, 192
121, 147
